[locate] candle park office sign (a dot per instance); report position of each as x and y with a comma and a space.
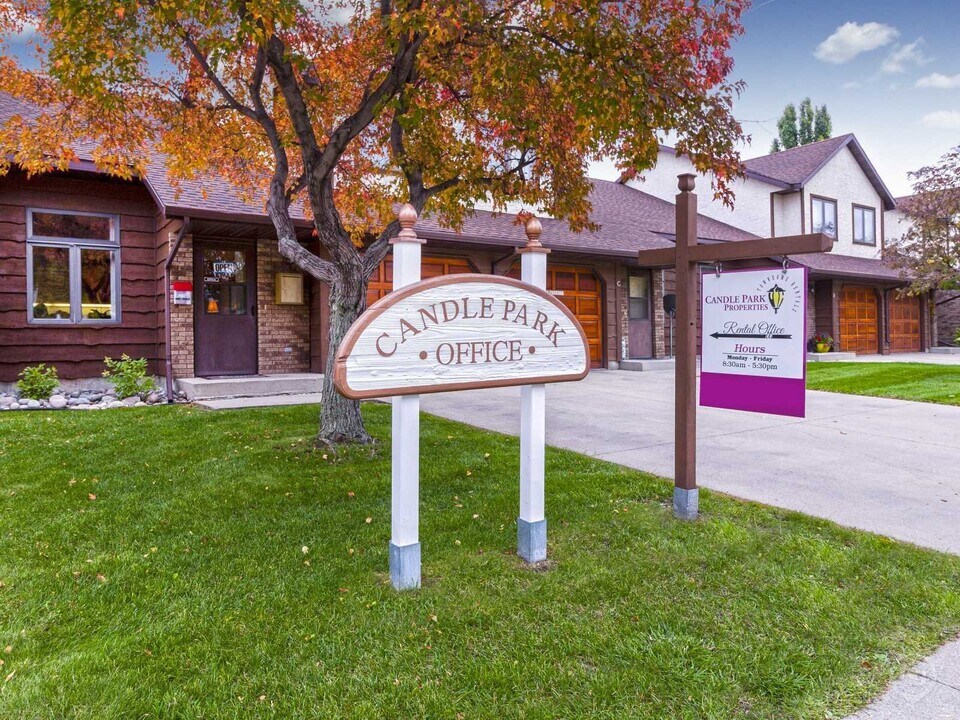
460, 332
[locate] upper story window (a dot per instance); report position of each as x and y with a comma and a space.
864, 225
73, 267
824, 216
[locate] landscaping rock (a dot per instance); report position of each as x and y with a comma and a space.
130, 401
153, 398
58, 402
33, 404
14, 406
6, 400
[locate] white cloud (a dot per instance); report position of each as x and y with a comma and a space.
939, 81
903, 55
851, 39
942, 120
852, 85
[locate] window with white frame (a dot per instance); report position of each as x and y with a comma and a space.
864, 225
824, 216
73, 267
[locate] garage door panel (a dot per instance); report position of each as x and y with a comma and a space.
588, 306
563, 280
859, 328
588, 283
905, 324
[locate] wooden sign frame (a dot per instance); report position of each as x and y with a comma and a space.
397, 296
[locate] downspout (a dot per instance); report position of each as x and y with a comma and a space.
171, 256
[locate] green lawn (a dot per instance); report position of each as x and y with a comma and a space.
906, 381
175, 563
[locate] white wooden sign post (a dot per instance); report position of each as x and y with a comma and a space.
461, 332
532, 524
405, 428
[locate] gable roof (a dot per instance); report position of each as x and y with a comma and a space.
797, 166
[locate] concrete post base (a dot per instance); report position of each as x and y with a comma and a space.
532, 540
405, 566
686, 503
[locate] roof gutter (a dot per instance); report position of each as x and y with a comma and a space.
168, 350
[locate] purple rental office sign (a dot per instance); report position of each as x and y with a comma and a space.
754, 341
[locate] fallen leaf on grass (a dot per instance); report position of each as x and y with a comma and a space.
368, 520
91, 496
9, 677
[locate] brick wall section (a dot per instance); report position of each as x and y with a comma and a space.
622, 313
181, 316
284, 330
948, 316
661, 321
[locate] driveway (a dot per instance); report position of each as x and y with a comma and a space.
888, 466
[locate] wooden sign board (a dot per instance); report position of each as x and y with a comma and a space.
754, 356
459, 332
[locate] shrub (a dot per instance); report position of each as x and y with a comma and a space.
128, 376
37, 382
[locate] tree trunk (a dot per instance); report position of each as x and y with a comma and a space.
340, 419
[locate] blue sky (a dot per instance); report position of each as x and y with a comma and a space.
888, 71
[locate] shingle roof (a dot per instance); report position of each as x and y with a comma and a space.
629, 220
797, 166
848, 266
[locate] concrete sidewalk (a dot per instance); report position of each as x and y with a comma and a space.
928, 691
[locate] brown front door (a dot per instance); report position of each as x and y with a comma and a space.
640, 329
225, 322
859, 320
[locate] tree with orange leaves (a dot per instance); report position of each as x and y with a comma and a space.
347, 108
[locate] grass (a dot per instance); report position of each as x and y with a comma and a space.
176, 563
905, 381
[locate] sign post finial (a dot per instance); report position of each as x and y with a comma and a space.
407, 217
533, 230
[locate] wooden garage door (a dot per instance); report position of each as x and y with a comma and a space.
580, 290
381, 282
859, 320
904, 323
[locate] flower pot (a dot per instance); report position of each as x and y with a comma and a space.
823, 347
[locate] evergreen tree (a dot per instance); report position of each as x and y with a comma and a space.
822, 124
787, 127
805, 122
801, 128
